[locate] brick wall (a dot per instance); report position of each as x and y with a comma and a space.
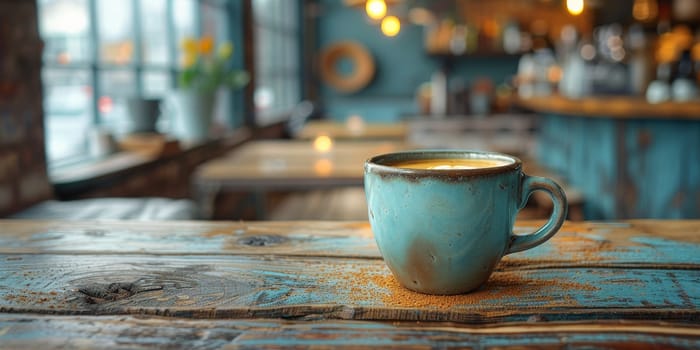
23, 177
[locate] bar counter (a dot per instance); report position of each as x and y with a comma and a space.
620, 107
629, 158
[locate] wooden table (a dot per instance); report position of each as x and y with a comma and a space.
108, 285
262, 166
353, 129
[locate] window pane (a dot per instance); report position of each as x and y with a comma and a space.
115, 23
184, 17
292, 93
289, 17
263, 49
214, 21
68, 112
155, 83
261, 10
115, 87
154, 29
277, 58
290, 58
65, 27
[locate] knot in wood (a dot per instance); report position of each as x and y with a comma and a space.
99, 293
262, 240
536, 318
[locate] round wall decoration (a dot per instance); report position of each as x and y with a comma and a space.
362, 62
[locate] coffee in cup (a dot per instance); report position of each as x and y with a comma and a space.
443, 219
447, 163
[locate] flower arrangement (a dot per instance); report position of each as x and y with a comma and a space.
206, 67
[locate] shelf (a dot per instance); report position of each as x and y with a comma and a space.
622, 107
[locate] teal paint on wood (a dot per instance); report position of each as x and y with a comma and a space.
664, 166
256, 286
625, 244
121, 284
626, 168
25, 331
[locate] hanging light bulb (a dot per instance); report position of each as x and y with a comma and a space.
391, 26
645, 10
575, 7
376, 9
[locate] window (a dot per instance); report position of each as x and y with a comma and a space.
277, 50
100, 52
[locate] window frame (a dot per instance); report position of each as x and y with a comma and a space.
94, 67
279, 73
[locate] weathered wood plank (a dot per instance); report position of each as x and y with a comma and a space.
626, 168
124, 332
618, 107
332, 288
631, 243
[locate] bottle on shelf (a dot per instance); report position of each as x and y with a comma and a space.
659, 90
684, 87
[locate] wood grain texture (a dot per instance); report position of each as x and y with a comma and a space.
613, 107
626, 168
327, 288
125, 332
324, 284
333, 270
636, 242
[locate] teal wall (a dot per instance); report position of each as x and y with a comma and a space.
401, 65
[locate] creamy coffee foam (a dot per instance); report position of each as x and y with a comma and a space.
450, 167
449, 164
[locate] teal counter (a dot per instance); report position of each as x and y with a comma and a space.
626, 165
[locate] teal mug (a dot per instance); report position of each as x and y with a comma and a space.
443, 219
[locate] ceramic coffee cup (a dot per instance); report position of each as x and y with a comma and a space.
442, 230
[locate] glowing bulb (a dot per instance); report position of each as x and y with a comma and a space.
323, 144
575, 7
391, 26
376, 9
645, 10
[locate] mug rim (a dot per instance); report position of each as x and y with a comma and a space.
374, 164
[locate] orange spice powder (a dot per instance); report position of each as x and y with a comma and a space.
371, 283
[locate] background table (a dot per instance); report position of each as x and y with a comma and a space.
263, 166
355, 129
218, 284
514, 134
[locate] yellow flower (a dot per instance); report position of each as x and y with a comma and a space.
189, 46
206, 45
189, 59
225, 50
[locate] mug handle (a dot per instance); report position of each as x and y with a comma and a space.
531, 184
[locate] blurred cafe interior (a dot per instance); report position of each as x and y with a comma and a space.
267, 109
